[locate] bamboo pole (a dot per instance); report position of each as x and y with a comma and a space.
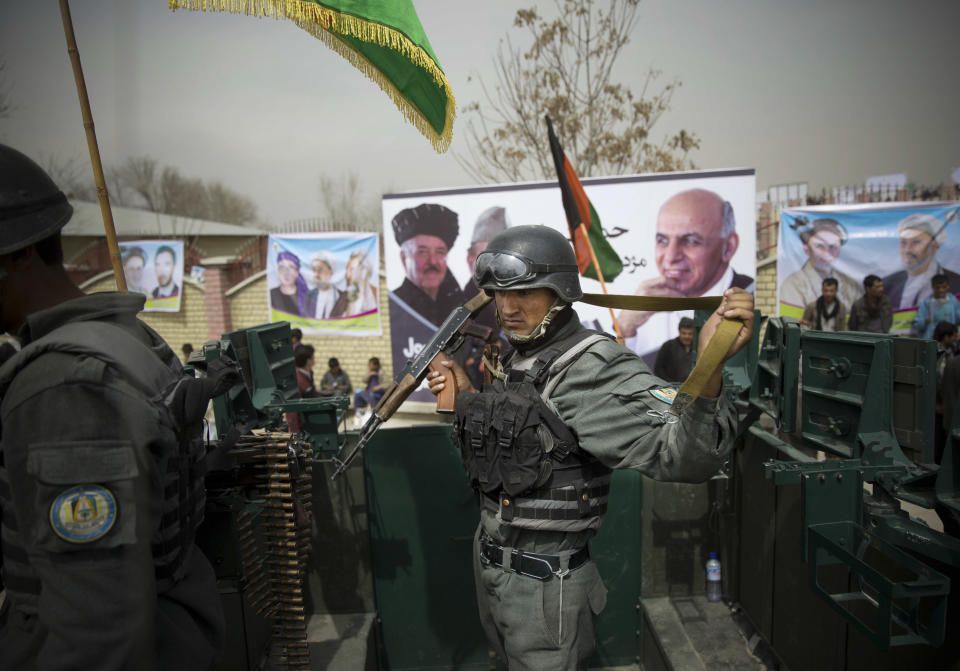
98, 179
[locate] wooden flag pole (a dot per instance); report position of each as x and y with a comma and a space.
98, 179
603, 285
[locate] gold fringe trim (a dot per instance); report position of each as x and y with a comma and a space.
326, 24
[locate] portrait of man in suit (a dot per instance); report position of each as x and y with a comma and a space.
696, 240
921, 235
164, 261
425, 234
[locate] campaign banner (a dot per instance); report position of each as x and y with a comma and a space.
154, 268
325, 282
903, 244
678, 234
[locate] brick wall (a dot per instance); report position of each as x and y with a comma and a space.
248, 307
188, 325
766, 293
215, 288
768, 225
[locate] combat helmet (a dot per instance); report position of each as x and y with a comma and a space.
527, 257
32, 207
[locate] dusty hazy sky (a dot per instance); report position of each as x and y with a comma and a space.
827, 92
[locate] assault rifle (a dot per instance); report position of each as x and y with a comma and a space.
450, 336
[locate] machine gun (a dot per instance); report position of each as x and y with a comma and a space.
867, 402
450, 336
268, 387
259, 490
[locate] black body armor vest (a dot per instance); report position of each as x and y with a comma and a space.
519, 455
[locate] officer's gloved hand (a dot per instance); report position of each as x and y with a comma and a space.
221, 375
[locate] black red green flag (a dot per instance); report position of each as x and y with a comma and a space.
585, 230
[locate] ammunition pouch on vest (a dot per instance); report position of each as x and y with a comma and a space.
520, 456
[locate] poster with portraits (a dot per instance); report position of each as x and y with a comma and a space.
905, 245
681, 234
154, 268
325, 282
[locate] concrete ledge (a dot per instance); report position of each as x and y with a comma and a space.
693, 634
668, 647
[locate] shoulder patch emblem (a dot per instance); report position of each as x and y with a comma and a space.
665, 394
83, 514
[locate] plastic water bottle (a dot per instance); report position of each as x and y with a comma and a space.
714, 587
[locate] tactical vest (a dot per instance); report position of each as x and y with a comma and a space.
520, 457
181, 401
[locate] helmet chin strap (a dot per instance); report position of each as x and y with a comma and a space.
538, 332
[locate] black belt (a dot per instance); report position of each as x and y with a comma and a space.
530, 564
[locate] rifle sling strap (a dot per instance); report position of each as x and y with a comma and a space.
652, 303
711, 358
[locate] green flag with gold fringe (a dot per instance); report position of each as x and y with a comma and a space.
381, 38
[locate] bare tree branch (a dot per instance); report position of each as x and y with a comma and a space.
566, 71
345, 204
142, 183
70, 174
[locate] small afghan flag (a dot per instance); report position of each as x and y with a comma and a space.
382, 38
584, 222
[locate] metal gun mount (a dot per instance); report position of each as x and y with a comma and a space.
867, 401
259, 490
268, 388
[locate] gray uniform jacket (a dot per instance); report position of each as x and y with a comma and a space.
605, 398
71, 421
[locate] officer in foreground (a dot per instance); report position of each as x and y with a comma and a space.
100, 489
566, 407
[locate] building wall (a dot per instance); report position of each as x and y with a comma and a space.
766, 293
187, 326
248, 307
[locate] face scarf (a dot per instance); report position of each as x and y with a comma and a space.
822, 313
539, 332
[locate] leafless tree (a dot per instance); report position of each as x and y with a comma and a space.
72, 175
566, 72
344, 203
142, 182
139, 175
227, 205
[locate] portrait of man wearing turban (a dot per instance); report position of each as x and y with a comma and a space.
921, 235
291, 294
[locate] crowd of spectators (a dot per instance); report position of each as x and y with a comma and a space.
334, 382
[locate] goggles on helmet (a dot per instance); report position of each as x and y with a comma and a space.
506, 268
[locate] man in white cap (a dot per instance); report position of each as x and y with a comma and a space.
325, 301
921, 235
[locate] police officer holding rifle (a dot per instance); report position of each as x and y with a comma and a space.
565, 407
